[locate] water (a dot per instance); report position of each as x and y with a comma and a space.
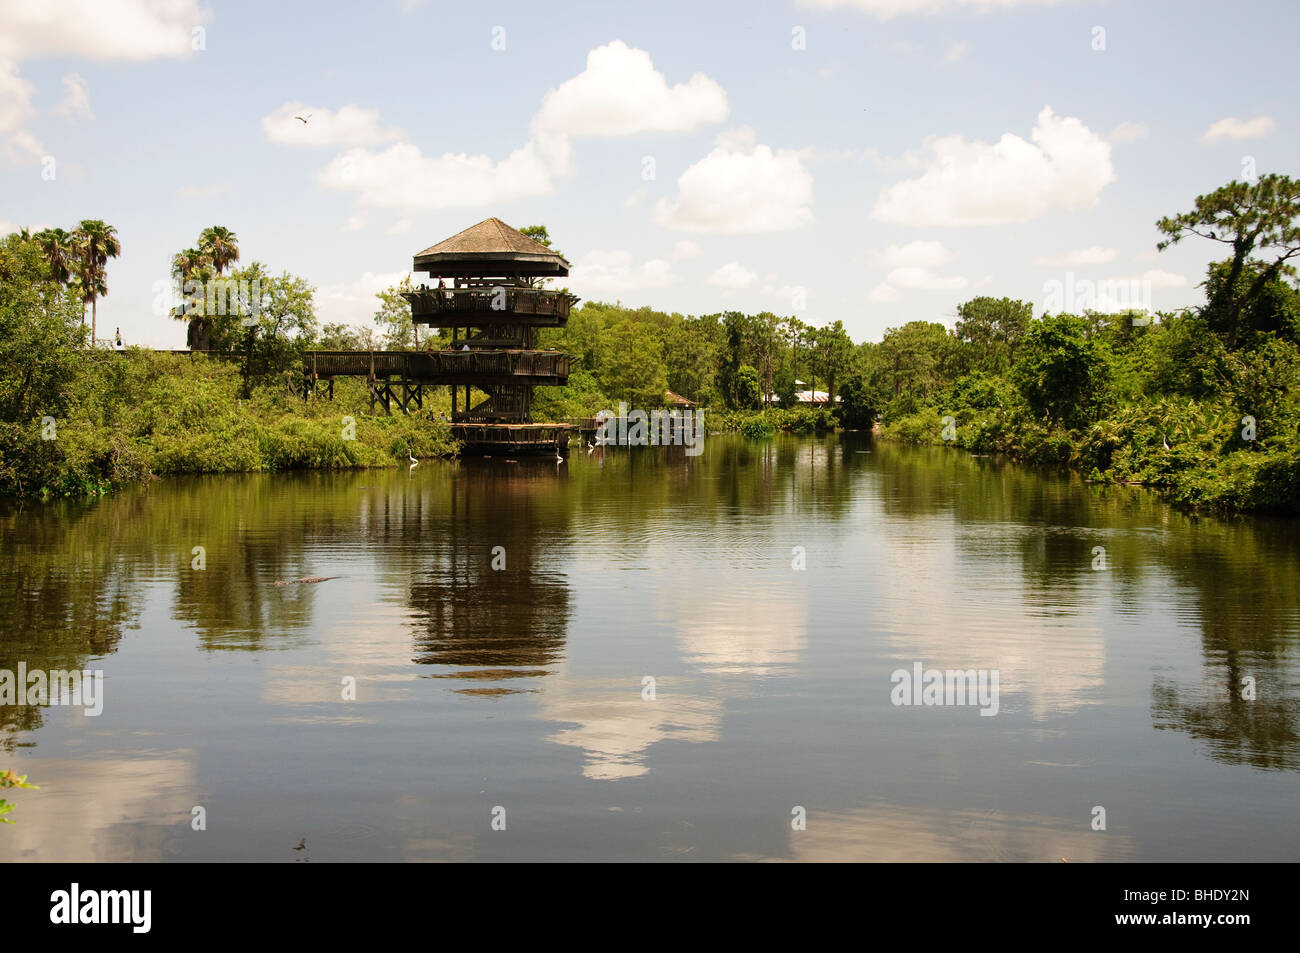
525, 688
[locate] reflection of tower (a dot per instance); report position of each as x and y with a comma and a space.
495, 299
494, 624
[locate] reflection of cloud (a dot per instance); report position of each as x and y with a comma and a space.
614, 728
884, 832
739, 631
942, 614
85, 810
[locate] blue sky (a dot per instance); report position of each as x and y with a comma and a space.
869, 161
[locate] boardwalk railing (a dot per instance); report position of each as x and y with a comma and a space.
457, 306
441, 367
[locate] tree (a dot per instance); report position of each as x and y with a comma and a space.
394, 316
749, 390
1062, 374
60, 250
833, 349
97, 244
634, 370
40, 359
1260, 219
221, 246
993, 327
858, 407
192, 264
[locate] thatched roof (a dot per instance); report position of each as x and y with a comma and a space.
490, 249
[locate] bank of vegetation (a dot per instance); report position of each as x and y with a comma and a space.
1203, 403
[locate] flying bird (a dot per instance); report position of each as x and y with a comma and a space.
303, 119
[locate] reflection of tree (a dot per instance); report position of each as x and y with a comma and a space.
1262, 733
255, 531
1245, 579
494, 624
69, 588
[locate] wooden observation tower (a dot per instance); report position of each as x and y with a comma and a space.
486, 286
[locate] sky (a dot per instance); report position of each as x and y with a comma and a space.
868, 161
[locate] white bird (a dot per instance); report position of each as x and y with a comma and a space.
590, 446
559, 457
1165, 442
413, 460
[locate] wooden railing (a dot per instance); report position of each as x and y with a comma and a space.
440, 366
454, 306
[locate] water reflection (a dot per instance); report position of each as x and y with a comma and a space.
524, 685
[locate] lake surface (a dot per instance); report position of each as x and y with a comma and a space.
527, 688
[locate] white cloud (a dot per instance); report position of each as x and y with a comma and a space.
402, 177
124, 30
1093, 255
21, 147
76, 98
355, 222
984, 282
399, 227
350, 126
7, 227
740, 190
732, 277
919, 254
15, 109
684, 248
620, 93
202, 191
614, 271
974, 183
1161, 279
912, 267
956, 52
1129, 132
635, 197
134, 30
1234, 128
887, 9
354, 302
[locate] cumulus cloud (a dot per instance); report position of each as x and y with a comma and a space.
684, 248
740, 188
350, 126
403, 177
76, 98
956, 52
615, 271
887, 9
1129, 132
1093, 255
912, 267
1012, 181
354, 302
133, 30
1234, 128
918, 254
732, 277
620, 93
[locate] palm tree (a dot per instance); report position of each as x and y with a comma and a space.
60, 250
191, 263
98, 244
221, 246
